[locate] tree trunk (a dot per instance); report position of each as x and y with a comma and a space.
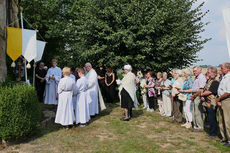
3, 68
8, 16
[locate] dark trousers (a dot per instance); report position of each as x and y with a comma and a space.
177, 109
212, 121
152, 102
40, 88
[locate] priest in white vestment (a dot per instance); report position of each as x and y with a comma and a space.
128, 92
82, 107
53, 77
65, 114
92, 92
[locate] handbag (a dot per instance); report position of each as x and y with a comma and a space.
182, 97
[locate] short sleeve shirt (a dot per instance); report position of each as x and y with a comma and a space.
224, 86
199, 83
214, 87
166, 83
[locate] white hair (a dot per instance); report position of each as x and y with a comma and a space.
188, 71
165, 74
88, 64
128, 67
179, 72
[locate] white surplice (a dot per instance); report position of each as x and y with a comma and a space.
51, 95
65, 114
74, 97
82, 107
92, 92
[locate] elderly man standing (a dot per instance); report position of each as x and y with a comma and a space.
223, 101
197, 89
92, 92
209, 98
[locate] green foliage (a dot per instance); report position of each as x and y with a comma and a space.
19, 111
150, 35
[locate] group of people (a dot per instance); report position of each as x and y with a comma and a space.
77, 99
204, 99
201, 98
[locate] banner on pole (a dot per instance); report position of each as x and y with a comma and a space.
40, 49
226, 15
29, 44
14, 43
21, 42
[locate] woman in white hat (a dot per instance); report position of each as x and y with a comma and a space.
128, 92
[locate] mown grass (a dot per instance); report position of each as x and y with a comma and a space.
146, 132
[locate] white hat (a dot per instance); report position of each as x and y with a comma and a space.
128, 67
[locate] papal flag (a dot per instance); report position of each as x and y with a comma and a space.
226, 15
21, 42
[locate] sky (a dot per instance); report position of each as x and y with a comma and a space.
215, 51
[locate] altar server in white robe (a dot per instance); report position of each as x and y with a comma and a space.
74, 97
92, 92
82, 106
65, 114
53, 77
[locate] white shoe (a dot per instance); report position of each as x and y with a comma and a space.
151, 110
163, 115
188, 126
184, 124
148, 109
144, 107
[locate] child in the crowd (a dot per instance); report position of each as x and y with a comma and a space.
65, 114
82, 108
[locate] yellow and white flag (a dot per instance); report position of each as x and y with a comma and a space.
21, 42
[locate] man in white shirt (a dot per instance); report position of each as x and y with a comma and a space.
223, 101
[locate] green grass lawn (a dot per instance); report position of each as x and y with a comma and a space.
146, 132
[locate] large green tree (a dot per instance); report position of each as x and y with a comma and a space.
148, 34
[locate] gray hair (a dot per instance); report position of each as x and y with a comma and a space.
188, 71
227, 65
88, 64
198, 68
179, 72
213, 69
165, 74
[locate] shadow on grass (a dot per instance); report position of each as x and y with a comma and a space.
107, 111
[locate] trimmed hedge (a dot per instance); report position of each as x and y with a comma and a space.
19, 111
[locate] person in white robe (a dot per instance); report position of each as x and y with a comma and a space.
53, 77
82, 107
92, 92
65, 114
128, 92
74, 96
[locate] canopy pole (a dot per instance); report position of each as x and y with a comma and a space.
34, 73
21, 9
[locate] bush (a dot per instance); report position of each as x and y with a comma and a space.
19, 111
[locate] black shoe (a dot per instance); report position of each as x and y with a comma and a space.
227, 144
124, 119
222, 141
